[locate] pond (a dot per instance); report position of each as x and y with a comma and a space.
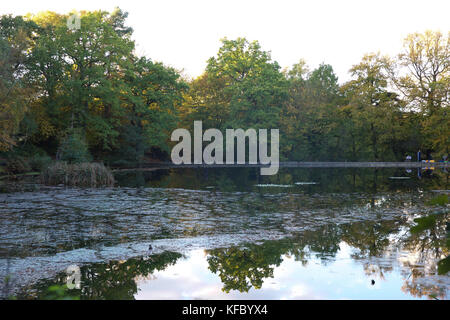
229, 233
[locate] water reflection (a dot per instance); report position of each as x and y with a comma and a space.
378, 246
339, 180
388, 259
330, 234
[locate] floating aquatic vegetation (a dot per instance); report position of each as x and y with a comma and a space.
45, 230
305, 183
274, 185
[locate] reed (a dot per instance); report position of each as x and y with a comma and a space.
78, 175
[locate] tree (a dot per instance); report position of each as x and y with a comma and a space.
16, 37
427, 61
79, 73
374, 111
309, 119
87, 81
206, 100
425, 84
154, 92
253, 83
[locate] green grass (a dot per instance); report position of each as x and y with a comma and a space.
440, 200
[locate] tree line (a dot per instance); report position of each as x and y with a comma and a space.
83, 94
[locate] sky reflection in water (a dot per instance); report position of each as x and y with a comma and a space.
230, 234
340, 279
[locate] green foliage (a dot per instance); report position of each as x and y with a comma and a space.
26, 158
374, 113
254, 86
427, 233
74, 149
440, 200
154, 91
59, 292
16, 165
425, 223
15, 38
113, 280
87, 79
39, 163
241, 268
444, 266
125, 107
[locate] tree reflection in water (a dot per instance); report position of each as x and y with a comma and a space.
429, 244
424, 245
113, 280
419, 247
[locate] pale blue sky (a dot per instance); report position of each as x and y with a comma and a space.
184, 34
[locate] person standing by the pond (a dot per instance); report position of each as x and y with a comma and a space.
418, 155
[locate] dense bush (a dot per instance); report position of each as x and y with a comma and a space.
25, 158
74, 149
39, 162
78, 175
16, 165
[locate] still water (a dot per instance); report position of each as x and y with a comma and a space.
229, 233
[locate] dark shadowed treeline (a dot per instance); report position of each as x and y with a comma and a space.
81, 95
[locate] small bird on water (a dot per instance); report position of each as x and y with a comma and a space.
150, 248
372, 282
